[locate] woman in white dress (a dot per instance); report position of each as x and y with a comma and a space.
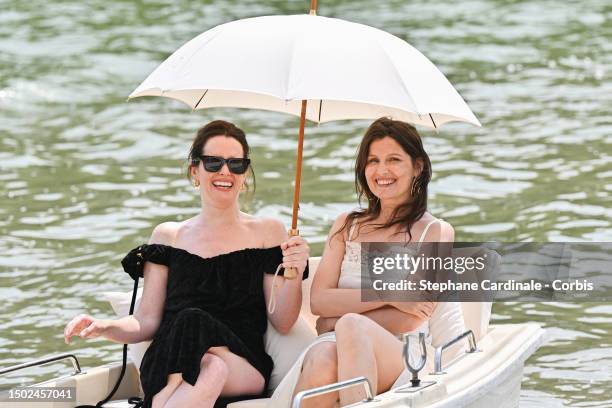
392, 173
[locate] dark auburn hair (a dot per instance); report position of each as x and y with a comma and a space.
410, 211
218, 128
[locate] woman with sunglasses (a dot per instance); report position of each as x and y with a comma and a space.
392, 172
207, 281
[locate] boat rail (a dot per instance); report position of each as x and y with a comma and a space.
313, 392
469, 334
42, 361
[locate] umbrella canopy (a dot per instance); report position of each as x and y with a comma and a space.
318, 68
344, 70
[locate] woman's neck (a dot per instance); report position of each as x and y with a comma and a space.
387, 208
213, 216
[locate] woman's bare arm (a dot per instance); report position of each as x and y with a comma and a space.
326, 299
145, 321
396, 317
288, 292
392, 319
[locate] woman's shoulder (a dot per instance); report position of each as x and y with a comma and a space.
340, 228
342, 217
157, 250
165, 233
270, 229
445, 230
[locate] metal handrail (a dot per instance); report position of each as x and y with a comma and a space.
438, 354
42, 361
313, 392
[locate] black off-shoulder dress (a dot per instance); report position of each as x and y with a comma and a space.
216, 301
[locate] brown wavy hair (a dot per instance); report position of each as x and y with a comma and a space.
410, 211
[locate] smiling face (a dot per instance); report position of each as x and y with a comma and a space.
220, 189
389, 170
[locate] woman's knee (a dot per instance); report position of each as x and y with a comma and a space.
321, 364
214, 365
174, 380
351, 324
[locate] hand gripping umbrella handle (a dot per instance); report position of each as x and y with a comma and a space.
291, 273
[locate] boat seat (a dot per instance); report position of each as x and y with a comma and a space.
118, 404
253, 403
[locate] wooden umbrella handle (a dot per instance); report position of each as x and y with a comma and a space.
292, 273
313, 7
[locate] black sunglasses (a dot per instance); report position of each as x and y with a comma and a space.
213, 164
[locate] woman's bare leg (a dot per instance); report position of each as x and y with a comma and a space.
160, 399
320, 367
366, 349
221, 373
213, 374
244, 379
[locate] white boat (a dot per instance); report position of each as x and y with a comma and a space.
488, 373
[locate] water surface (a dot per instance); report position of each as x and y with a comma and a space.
85, 176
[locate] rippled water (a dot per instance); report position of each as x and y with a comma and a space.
84, 175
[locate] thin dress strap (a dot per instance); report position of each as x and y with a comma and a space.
353, 225
429, 224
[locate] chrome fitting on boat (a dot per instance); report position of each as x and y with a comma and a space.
415, 381
438, 357
35, 363
313, 392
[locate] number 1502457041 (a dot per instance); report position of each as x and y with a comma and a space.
38, 394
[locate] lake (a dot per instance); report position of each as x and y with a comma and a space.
85, 175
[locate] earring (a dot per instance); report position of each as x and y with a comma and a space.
196, 183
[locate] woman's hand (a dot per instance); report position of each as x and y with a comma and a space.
86, 327
326, 324
422, 310
295, 253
